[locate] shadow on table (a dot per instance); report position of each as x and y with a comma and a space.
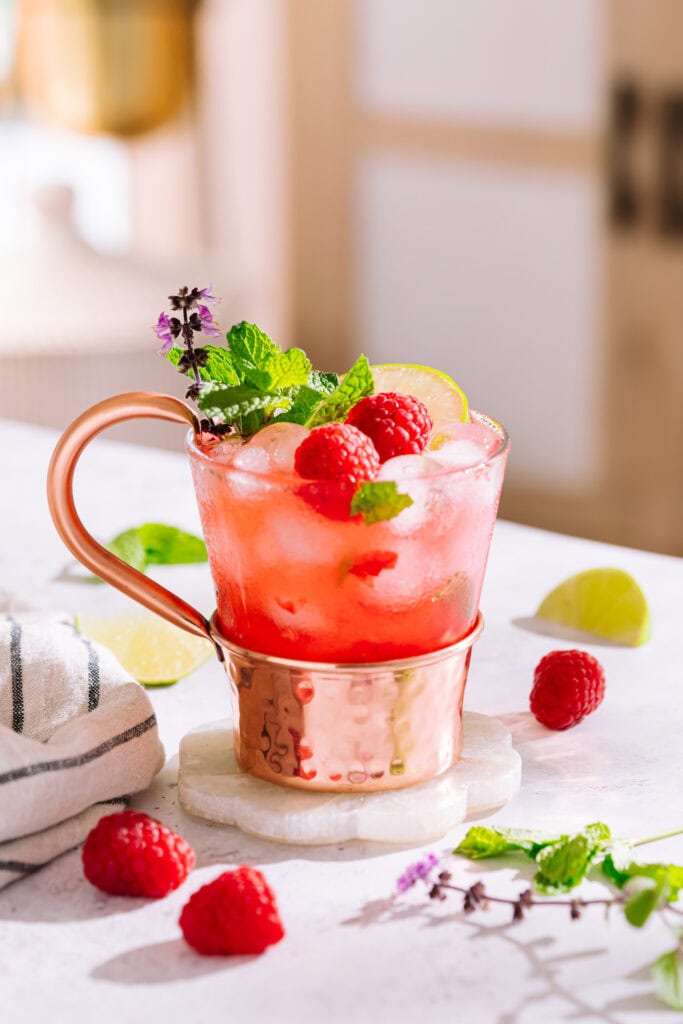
543, 627
155, 964
545, 968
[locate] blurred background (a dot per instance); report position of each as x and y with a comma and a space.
492, 187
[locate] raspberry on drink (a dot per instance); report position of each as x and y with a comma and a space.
235, 915
131, 854
337, 451
397, 424
568, 685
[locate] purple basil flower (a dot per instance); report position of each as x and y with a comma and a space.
162, 329
205, 294
420, 869
208, 326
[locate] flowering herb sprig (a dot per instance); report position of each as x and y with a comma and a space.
563, 862
197, 318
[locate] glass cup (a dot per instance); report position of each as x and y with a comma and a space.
347, 644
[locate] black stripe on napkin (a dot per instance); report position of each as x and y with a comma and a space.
16, 670
93, 675
78, 760
19, 867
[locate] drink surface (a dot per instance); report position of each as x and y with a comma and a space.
293, 581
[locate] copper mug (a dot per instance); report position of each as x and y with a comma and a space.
311, 725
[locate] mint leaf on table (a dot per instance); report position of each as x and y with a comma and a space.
167, 545
667, 973
481, 842
376, 501
645, 897
563, 865
128, 546
157, 544
355, 384
323, 382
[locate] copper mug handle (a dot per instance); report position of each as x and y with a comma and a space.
137, 404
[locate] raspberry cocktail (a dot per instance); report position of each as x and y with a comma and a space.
348, 521
299, 577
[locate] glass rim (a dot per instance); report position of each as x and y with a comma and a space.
501, 449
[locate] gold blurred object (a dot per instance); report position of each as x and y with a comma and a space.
116, 66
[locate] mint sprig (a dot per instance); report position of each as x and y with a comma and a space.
378, 500
564, 861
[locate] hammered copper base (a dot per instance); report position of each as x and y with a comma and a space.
348, 728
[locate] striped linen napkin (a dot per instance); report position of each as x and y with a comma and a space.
77, 736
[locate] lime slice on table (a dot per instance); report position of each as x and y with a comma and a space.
606, 602
151, 649
445, 401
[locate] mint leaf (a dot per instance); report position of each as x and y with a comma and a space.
304, 400
242, 406
481, 842
356, 384
128, 546
250, 350
667, 974
218, 368
646, 897
563, 865
157, 544
167, 545
288, 369
323, 382
376, 501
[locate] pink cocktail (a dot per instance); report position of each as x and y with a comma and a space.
295, 582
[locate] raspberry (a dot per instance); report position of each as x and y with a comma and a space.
337, 457
131, 854
568, 685
233, 915
397, 424
337, 451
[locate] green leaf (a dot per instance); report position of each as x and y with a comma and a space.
288, 369
356, 384
304, 400
129, 547
379, 500
646, 897
491, 842
323, 382
240, 405
250, 351
563, 865
667, 974
480, 842
218, 368
167, 545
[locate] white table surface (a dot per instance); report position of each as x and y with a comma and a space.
68, 953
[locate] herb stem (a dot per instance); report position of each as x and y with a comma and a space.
530, 901
655, 839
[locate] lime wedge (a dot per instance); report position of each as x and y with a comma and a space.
151, 649
442, 396
606, 602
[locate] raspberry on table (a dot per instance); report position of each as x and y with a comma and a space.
568, 685
397, 424
235, 915
131, 854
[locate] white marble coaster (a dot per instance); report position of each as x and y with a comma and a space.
213, 786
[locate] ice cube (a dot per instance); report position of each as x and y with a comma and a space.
272, 449
411, 475
461, 445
